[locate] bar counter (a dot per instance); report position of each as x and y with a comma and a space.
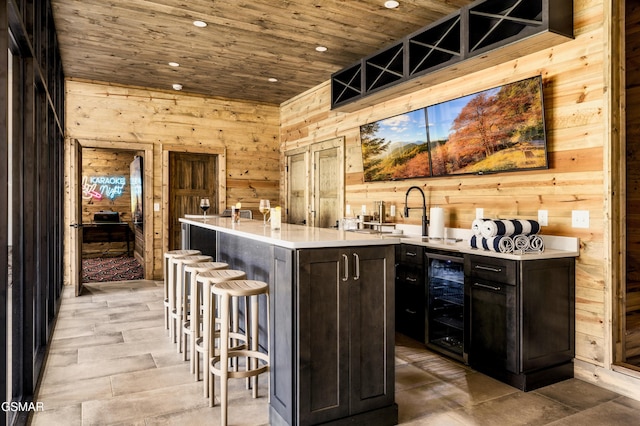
332, 324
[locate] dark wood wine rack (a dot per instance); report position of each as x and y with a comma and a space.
477, 36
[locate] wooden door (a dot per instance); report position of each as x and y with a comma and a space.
297, 188
76, 216
191, 177
328, 182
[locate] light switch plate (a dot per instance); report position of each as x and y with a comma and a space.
156, 207
580, 219
543, 217
479, 213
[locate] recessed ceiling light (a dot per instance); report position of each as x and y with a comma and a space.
200, 24
177, 86
321, 48
391, 4
272, 80
174, 64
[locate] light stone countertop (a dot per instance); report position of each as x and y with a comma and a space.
299, 236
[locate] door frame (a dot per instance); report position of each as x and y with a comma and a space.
76, 200
222, 181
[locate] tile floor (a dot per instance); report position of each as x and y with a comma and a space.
111, 362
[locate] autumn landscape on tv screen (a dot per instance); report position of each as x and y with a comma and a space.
500, 129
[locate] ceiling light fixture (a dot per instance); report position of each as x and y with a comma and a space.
200, 24
391, 4
174, 64
273, 80
177, 86
321, 48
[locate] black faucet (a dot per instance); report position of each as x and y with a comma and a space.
425, 221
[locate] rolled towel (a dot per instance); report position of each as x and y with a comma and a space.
529, 227
499, 244
521, 243
491, 228
536, 243
473, 241
476, 226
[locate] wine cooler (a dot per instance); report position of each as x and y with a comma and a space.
445, 308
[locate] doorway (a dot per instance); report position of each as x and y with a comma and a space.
315, 183
112, 243
188, 176
101, 186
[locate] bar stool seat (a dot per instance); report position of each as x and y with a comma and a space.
176, 291
169, 275
192, 318
257, 361
204, 342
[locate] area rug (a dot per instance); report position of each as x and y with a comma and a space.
103, 269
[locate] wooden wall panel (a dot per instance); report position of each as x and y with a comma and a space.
248, 131
574, 87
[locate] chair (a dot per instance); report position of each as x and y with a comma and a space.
192, 317
257, 362
169, 276
205, 342
175, 293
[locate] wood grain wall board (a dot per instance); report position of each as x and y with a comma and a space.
574, 87
137, 116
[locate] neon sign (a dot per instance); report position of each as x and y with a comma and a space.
99, 187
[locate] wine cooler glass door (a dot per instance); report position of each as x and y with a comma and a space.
445, 314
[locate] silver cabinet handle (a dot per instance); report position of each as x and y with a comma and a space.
357, 261
489, 287
412, 280
411, 254
346, 267
488, 268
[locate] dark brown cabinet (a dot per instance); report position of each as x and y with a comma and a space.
520, 319
346, 335
411, 298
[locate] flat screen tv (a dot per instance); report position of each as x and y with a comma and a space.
496, 130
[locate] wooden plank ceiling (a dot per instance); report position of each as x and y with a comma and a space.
245, 43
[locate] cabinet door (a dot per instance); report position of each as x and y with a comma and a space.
492, 326
371, 305
323, 333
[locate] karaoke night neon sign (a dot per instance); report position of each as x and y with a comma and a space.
99, 187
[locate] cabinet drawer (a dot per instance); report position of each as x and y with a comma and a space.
490, 269
411, 254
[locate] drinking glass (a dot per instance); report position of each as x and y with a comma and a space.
204, 205
265, 207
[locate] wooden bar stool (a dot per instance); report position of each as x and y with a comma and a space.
192, 317
257, 362
175, 294
205, 342
169, 276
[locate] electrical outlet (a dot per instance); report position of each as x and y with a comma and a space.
479, 213
543, 217
580, 218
